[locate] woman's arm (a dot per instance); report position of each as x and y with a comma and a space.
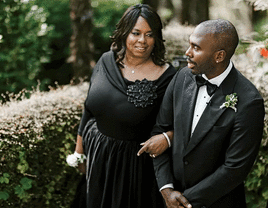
156, 145
79, 149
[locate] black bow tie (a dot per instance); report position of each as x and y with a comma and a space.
211, 88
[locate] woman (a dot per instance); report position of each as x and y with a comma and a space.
127, 87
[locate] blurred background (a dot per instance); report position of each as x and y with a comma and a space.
48, 41
48, 49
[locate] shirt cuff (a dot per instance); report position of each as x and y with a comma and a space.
170, 185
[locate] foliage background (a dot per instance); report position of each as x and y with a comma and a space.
37, 134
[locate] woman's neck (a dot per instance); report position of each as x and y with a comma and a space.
136, 62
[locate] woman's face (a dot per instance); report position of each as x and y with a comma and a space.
140, 41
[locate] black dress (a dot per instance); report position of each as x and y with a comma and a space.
118, 116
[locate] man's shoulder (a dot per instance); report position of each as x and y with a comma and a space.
184, 72
246, 88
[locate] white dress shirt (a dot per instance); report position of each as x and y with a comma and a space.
202, 101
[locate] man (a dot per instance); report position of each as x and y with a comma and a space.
216, 138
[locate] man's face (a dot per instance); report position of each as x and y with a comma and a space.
201, 52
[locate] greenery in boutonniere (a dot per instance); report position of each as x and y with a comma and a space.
231, 101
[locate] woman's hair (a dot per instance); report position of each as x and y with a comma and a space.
127, 23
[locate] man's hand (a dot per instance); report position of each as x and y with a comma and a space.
155, 146
174, 199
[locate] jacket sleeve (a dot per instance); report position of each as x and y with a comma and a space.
164, 123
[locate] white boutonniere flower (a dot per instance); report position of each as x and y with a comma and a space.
231, 101
74, 159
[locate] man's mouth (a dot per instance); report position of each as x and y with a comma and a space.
191, 64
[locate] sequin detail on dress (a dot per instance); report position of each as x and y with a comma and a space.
142, 93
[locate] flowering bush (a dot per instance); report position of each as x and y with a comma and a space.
255, 68
36, 135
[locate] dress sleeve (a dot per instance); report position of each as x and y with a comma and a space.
85, 117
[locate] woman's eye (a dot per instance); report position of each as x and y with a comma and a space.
150, 35
135, 33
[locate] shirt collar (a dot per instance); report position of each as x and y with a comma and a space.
219, 79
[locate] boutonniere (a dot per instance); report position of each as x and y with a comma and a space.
231, 101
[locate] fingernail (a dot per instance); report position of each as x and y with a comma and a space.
142, 143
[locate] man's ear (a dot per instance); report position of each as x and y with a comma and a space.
220, 56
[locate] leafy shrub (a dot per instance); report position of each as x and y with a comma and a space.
36, 135
57, 69
24, 39
255, 67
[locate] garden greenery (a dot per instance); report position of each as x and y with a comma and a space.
36, 135
24, 43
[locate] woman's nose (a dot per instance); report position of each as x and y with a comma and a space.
142, 39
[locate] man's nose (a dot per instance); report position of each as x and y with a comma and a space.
188, 52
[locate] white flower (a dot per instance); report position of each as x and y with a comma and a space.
34, 7
72, 160
231, 101
43, 30
75, 158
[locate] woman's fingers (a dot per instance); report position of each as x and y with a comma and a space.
143, 149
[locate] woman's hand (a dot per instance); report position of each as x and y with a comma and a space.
79, 149
156, 145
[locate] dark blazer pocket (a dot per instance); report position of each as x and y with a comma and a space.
219, 128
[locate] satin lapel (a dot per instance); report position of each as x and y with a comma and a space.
212, 112
189, 100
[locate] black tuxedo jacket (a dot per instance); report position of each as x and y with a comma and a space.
210, 166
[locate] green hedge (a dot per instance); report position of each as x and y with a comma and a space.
36, 135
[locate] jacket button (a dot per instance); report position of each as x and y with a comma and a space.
186, 162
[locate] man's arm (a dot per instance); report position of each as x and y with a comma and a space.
164, 123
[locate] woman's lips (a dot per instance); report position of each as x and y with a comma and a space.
141, 48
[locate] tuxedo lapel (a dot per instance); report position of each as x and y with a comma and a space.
212, 111
189, 100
